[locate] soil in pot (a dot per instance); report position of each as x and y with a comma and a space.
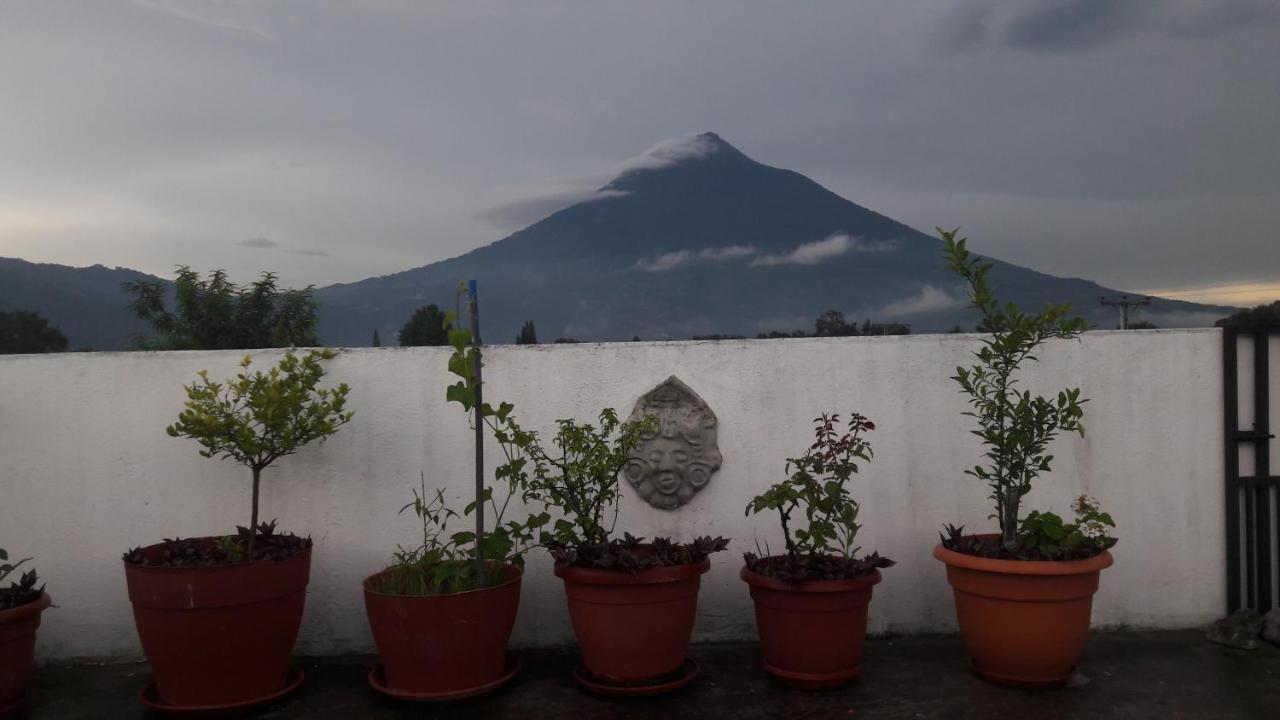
439, 645
812, 632
17, 651
633, 628
1024, 623
220, 635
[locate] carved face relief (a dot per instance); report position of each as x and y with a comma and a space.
677, 460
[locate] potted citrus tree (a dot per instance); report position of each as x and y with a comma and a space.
632, 603
442, 612
1023, 595
20, 606
811, 601
218, 616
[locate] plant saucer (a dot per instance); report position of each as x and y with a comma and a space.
670, 683
149, 697
378, 681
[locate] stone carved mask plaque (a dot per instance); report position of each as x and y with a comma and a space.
671, 465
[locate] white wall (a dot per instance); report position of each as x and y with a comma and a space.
87, 471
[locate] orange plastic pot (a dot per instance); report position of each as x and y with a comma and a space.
443, 644
18, 652
218, 636
812, 633
633, 627
1024, 623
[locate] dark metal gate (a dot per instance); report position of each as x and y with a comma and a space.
1253, 517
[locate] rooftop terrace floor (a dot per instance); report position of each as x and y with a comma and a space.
1129, 675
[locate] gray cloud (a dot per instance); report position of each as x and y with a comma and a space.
1134, 145
258, 242
311, 253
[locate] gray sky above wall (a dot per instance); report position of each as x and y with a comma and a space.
1129, 142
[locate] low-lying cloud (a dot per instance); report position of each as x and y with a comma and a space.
680, 258
259, 243
820, 251
928, 299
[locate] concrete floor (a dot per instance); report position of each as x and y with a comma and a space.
1129, 675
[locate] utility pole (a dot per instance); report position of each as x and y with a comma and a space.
1123, 304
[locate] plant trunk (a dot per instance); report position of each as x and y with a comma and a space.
253, 522
1009, 524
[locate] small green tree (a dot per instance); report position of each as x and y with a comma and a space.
24, 331
427, 326
258, 418
217, 314
377, 341
528, 335
1015, 425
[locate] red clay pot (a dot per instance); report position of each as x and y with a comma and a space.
1024, 623
18, 652
633, 627
218, 636
812, 633
443, 644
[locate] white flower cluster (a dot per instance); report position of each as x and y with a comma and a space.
1086, 504
1093, 530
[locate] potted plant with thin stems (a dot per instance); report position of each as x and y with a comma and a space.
20, 607
442, 620
811, 601
218, 616
632, 603
1023, 595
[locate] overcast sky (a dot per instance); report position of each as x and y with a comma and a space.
1133, 142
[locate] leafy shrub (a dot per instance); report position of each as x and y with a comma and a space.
1044, 536
445, 562
1015, 425
258, 418
21, 592
579, 480
823, 549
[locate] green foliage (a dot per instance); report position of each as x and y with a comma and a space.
257, 418
21, 592
217, 314
528, 334
579, 477
427, 326
24, 331
1015, 425
377, 341
818, 487
1051, 537
444, 562
1262, 316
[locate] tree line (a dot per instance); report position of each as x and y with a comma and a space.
213, 313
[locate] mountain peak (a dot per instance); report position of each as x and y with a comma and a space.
680, 151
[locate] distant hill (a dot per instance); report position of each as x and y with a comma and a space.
692, 238
87, 304
696, 238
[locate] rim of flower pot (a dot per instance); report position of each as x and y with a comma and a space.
1096, 563
515, 578
619, 576
32, 607
857, 582
134, 567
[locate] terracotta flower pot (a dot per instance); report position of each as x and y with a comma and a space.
443, 644
18, 651
812, 633
218, 636
1024, 622
633, 627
